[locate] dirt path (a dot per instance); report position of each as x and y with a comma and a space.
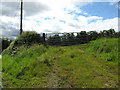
53, 80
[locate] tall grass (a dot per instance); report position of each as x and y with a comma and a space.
92, 65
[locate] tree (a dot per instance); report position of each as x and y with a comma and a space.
54, 40
29, 38
101, 34
4, 43
84, 37
92, 35
64, 40
111, 33
70, 39
117, 34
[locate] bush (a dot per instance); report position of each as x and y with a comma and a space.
25, 39
28, 38
4, 43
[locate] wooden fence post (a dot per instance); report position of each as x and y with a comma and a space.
43, 37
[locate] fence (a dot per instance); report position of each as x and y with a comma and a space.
65, 39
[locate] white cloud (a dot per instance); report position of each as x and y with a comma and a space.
57, 12
71, 25
103, 25
118, 6
112, 2
94, 18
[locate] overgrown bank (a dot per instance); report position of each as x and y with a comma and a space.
92, 65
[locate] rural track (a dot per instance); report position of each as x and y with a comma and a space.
53, 79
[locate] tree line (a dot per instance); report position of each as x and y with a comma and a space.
67, 39
81, 37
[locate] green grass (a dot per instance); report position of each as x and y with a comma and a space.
106, 49
78, 66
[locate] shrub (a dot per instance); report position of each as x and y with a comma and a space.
25, 39
28, 38
4, 43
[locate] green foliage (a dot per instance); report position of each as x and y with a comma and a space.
25, 66
54, 40
78, 66
4, 43
107, 50
81, 38
68, 39
92, 35
108, 33
28, 38
105, 46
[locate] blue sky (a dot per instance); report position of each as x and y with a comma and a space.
102, 9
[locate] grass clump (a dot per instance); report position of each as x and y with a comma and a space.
107, 48
25, 66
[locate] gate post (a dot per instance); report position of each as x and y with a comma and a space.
43, 37
44, 41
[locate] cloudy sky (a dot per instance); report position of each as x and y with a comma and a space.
58, 16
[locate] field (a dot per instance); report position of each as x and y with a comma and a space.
91, 65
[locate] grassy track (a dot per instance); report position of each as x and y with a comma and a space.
78, 66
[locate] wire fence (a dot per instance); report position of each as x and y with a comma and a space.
65, 39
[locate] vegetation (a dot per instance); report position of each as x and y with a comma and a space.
4, 43
91, 65
81, 37
28, 38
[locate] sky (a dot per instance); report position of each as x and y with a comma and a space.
58, 16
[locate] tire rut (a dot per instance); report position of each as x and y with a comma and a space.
53, 79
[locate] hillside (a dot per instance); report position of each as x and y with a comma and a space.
92, 65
